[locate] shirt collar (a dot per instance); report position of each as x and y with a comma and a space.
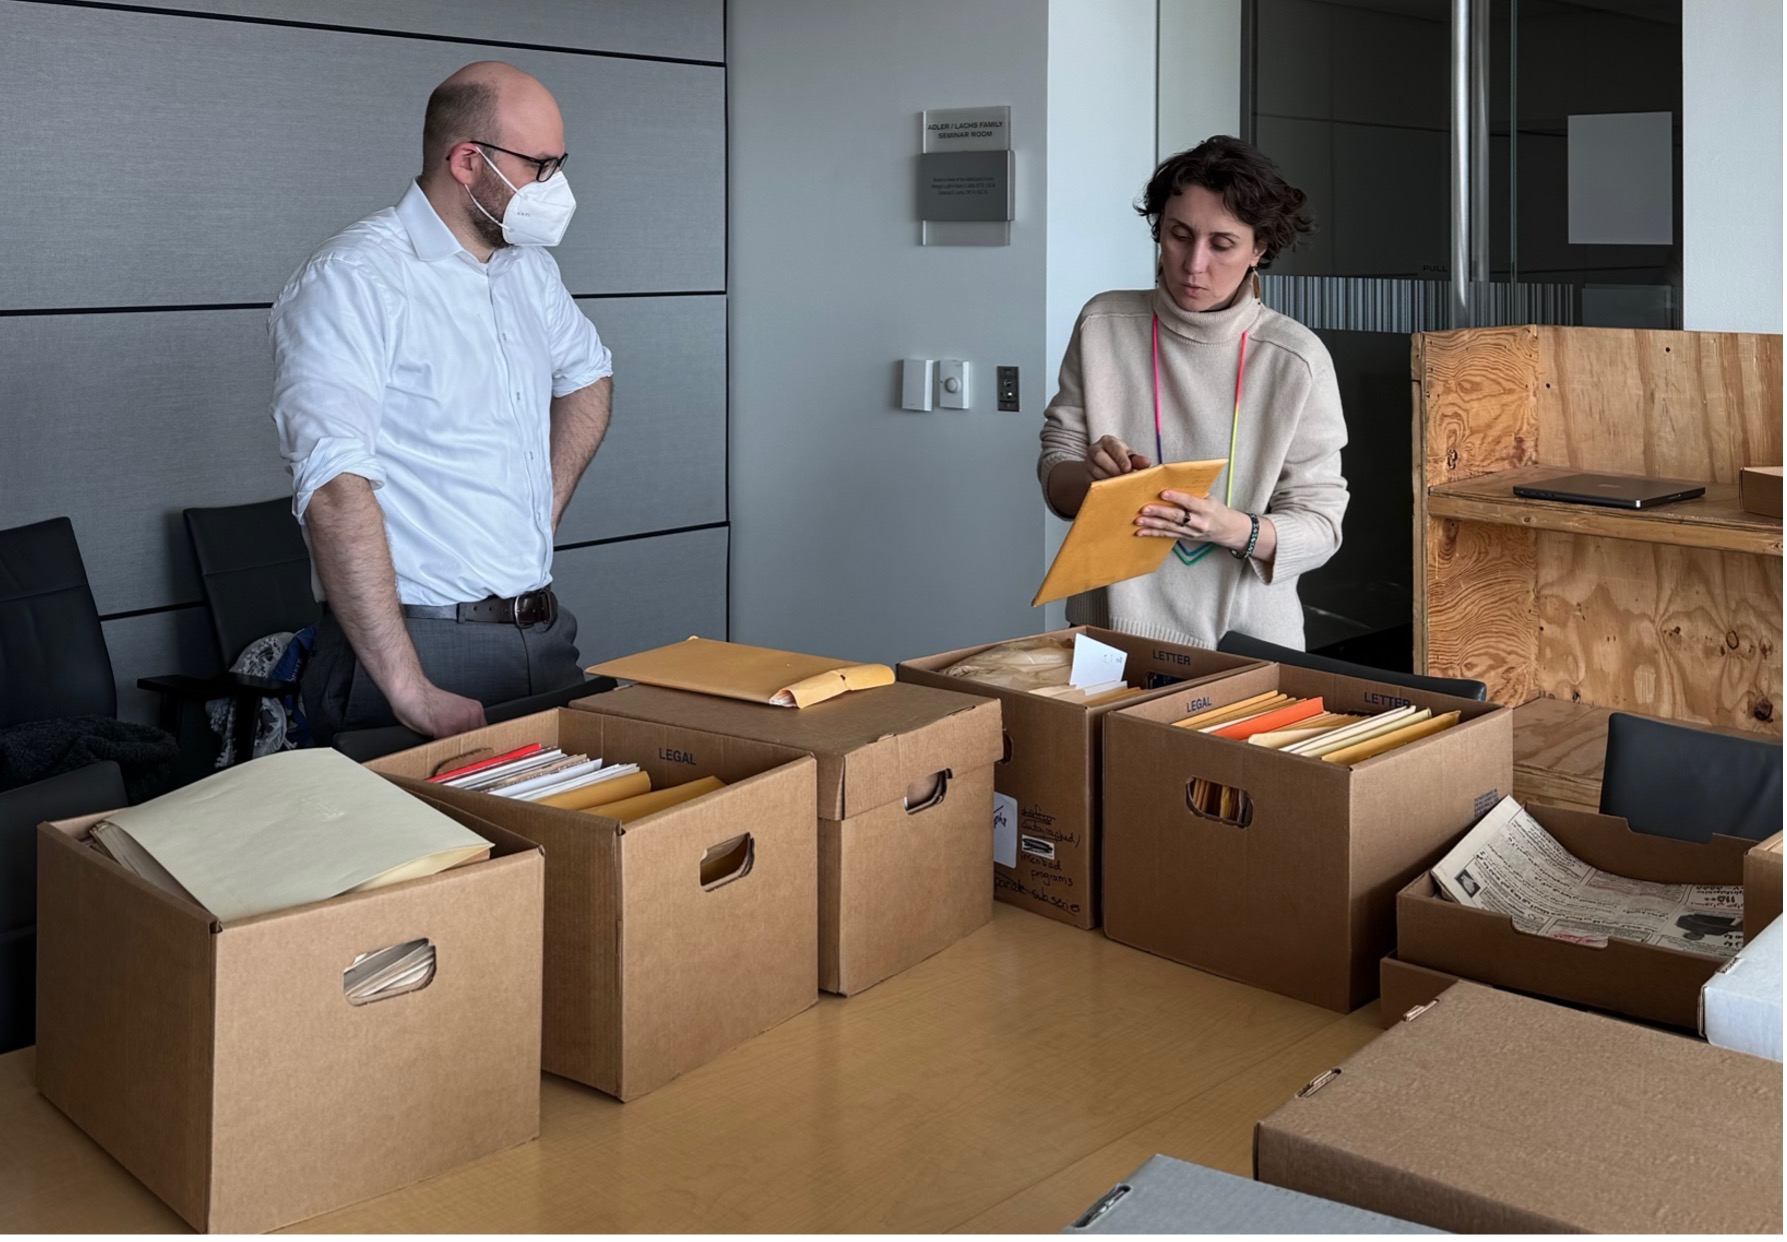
429, 234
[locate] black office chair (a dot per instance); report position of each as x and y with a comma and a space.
58, 707
1673, 780
254, 568
1236, 643
85, 791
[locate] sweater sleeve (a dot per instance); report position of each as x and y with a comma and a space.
1064, 436
1310, 498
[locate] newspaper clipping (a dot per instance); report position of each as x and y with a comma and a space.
1510, 865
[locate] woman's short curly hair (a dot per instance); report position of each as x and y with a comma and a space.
1250, 184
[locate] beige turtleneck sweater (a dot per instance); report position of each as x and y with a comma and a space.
1287, 453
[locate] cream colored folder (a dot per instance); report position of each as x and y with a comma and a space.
1102, 546
754, 674
286, 830
1315, 726
1391, 740
1370, 727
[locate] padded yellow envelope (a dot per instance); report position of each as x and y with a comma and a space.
754, 674
1102, 546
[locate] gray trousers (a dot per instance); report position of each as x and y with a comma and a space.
481, 660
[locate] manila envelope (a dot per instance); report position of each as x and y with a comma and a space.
1102, 546
754, 674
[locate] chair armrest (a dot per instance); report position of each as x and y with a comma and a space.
222, 686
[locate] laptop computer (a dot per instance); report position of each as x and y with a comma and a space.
1617, 491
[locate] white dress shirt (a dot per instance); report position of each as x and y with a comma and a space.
397, 356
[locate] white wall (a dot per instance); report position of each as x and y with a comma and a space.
1731, 165
860, 530
1101, 151
1200, 72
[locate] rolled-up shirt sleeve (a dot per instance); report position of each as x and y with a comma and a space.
579, 358
331, 334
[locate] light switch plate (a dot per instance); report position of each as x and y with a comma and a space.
1008, 389
952, 384
916, 378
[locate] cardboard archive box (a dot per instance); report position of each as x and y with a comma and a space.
1740, 1007
1648, 982
1762, 886
221, 1064
1167, 1196
1053, 764
1759, 490
1300, 898
1489, 1112
904, 825
654, 964
1402, 986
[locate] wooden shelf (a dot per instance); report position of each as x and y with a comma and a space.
1715, 520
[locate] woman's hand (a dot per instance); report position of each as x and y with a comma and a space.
1184, 516
1107, 457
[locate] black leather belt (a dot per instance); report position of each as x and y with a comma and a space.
529, 608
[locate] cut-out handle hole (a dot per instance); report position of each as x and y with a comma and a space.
727, 861
1005, 736
927, 792
395, 970
1225, 804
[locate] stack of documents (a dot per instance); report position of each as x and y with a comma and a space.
1304, 727
283, 831
1509, 864
546, 774
389, 972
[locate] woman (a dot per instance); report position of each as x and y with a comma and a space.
1195, 369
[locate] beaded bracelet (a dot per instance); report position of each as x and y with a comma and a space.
1253, 537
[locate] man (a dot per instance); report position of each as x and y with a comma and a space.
438, 394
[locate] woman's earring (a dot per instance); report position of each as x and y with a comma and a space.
1256, 285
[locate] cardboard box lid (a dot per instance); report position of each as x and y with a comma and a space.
1493, 1112
870, 745
1168, 1196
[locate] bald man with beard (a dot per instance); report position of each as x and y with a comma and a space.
438, 395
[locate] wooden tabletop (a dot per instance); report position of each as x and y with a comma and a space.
1001, 1086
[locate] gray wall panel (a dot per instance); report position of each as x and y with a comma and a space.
201, 162
644, 593
178, 641
663, 463
691, 29
132, 418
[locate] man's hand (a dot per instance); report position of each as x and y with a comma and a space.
434, 712
1107, 457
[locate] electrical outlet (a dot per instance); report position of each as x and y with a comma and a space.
1008, 388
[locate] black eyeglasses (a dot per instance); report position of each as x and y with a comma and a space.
543, 169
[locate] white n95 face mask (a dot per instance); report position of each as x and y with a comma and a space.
539, 212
